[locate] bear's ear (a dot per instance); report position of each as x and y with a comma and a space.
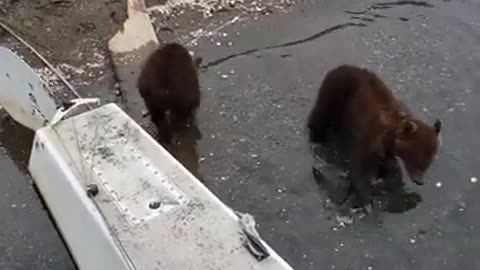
407, 127
437, 126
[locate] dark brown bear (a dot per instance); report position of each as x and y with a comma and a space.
356, 103
169, 82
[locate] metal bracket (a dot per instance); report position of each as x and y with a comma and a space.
72, 105
253, 242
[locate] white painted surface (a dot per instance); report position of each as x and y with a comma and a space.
22, 93
192, 229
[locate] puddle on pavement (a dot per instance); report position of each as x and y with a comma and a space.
185, 148
330, 171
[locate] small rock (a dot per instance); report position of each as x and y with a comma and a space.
118, 92
473, 179
144, 113
412, 241
439, 184
218, 44
224, 76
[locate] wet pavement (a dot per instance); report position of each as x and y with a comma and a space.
262, 71
257, 95
28, 239
73, 36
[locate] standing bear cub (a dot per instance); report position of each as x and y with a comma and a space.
168, 82
356, 103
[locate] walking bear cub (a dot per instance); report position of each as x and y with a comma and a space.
356, 103
168, 82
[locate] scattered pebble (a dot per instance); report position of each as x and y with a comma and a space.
473, 179
412, 241
369, 268
218, 44
439, 184
144, 113
14, 206
224, 34
280, 190
224, 76
254, 155
232, 72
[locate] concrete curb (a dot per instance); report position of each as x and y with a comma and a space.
128, 49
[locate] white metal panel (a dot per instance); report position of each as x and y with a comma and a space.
192, 229
79, 221
22, 93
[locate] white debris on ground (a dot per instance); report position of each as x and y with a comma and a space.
52, 80
179, 10
209, 7
473, 180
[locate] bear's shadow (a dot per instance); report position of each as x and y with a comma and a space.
330, 171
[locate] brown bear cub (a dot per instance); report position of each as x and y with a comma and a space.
356, 103
168, 82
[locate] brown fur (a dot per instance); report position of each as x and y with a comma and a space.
169, 82
357, 103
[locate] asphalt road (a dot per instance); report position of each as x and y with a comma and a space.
257, 92
28, 239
